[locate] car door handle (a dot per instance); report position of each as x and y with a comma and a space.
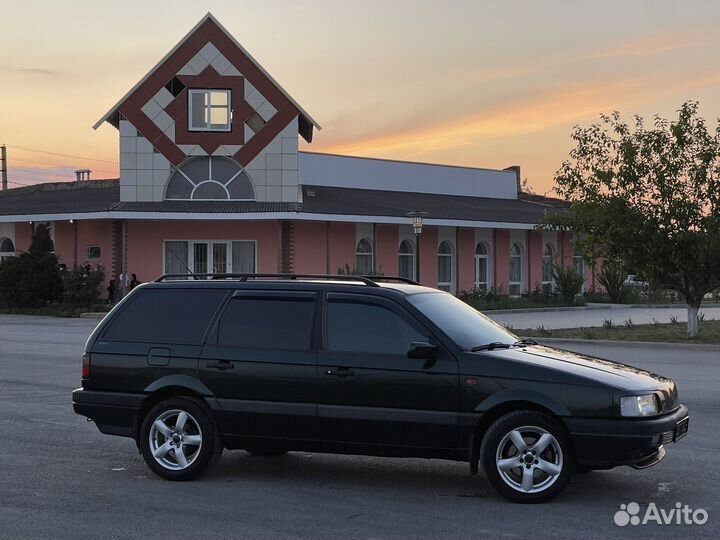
341, 372
221, 365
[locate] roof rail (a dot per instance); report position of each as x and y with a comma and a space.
244, 277
393, 278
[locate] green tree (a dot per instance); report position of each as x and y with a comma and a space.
32, 279
41, 240
649, 197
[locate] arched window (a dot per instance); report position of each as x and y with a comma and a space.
7, 249
548, 261
516, 270
364, 257
210, 178
482, 280
406, 260
579, 266
445, 266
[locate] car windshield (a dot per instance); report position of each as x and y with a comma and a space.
463, 324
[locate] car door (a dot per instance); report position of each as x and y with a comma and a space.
370, 391
261, 366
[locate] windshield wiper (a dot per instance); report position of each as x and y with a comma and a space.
525, 341
491, 346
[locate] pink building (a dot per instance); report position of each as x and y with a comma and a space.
211, 180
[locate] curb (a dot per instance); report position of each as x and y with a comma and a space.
489, 312
593, 307
93, 315
618, 342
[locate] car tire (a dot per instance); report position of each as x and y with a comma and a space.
527, 456
179, 439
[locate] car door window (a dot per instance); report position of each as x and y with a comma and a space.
267, 323
368, 328
165, 316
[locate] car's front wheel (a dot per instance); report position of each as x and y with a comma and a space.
527, 456
179, 439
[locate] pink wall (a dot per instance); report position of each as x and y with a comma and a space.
387, 244
95, 233
535, 261
342, 246
428, 256
65, 242
23, 236
145, 241
501, 252
466, 259
311, 247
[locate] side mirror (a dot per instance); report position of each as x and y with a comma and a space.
421, 349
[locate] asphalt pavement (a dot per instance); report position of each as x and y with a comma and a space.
61, 478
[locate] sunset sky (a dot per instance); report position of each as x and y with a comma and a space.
477, 83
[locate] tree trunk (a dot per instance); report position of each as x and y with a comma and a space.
693, 325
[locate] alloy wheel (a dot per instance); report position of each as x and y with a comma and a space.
175, 439
529, 459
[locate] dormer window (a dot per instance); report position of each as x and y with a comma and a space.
209, 110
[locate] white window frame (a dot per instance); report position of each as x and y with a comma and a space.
190, 262
482, 285
521, 257
448, 286
411, 256
7, 254
579, 261
359, 253
208, 108
548, 260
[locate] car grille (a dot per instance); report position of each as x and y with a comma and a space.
667, 437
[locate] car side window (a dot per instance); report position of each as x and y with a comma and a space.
267, 323
368, 328
165, 316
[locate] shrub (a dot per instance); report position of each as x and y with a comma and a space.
347, 270
568, 282
82, 287
612, 277
30, 280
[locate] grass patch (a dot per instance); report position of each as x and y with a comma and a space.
674, 332
55, 310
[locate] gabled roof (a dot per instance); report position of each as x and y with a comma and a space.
306, 123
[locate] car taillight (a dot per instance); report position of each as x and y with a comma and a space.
86, 366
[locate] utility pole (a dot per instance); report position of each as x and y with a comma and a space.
3, 171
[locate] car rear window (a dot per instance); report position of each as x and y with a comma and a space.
267, 323
165, 316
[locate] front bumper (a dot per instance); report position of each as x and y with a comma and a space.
604, 443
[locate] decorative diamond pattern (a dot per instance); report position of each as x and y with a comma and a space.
209, 59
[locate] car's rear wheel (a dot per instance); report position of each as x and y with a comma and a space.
527, 456
179, 439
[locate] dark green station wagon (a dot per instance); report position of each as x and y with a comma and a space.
352, 365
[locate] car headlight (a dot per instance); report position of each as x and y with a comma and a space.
639, 405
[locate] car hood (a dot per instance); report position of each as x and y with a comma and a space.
601, 371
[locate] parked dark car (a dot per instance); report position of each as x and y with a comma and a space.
354, 365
